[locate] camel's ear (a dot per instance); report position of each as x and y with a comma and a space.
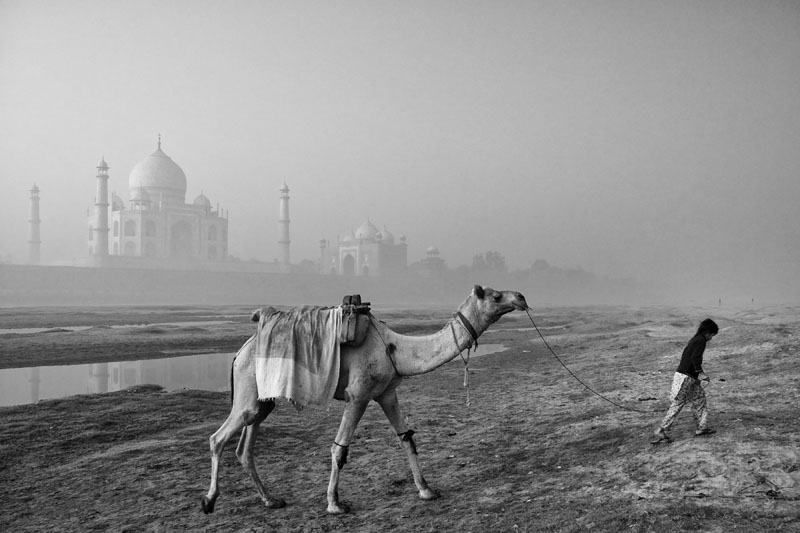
478, 290
256, 316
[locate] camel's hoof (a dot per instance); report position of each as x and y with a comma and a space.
207, 505
429, 494
340, 508
275, 503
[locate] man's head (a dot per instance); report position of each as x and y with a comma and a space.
708, 328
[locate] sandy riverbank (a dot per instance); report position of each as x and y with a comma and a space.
534, 452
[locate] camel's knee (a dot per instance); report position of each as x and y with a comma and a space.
214, 444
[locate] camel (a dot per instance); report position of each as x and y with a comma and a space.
370, 371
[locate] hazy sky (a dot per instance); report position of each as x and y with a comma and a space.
647, 139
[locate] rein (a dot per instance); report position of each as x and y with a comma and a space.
474, 336
528, 310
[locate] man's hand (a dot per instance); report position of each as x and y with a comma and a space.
703, 377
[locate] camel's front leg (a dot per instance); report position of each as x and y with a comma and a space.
390, 406
352, 414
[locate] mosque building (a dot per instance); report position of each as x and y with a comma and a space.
365, 252
156, 222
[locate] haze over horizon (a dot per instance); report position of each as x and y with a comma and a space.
643, 139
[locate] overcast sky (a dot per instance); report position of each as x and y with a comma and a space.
658, 140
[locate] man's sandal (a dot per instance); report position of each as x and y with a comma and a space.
661, 436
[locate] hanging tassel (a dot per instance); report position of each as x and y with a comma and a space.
466, 375
466, 382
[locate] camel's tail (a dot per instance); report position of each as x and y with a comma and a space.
232, 363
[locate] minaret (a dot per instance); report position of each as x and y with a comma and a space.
323, 245
101, 211
34, 241
283, 227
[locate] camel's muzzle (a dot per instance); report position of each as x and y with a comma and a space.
519, 302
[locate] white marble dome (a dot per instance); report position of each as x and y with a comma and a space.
367, 232
387, 236
202, 200
160, 176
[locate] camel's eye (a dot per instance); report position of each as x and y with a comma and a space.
498, 297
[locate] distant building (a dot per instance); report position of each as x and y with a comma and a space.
156, 222
365, 252
34, 239
432, 266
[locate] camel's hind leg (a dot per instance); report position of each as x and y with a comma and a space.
244, 451
246, 412
391, 407
217, 442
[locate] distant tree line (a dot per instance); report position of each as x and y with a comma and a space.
547, 282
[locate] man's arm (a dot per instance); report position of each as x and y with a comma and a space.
697, 347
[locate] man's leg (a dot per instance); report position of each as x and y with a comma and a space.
678, 397
700, 409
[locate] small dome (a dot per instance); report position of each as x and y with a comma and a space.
140, 196
160, 176
202, 200
432, 250
116, 203
348, 238
402, 238
367, 232
387, 236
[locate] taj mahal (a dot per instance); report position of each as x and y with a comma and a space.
157, 228
156, 222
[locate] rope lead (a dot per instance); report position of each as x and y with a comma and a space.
576, 377
466, 376
461, 353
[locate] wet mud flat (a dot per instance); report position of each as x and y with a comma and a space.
535, 451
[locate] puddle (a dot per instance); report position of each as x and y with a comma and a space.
30, 331
28, 385
200, 371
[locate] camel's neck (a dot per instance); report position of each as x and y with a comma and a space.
418, 355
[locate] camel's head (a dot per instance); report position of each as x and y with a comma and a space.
490, 304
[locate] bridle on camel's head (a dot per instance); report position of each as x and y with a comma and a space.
468, 326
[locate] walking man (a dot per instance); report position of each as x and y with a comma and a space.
687, 384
